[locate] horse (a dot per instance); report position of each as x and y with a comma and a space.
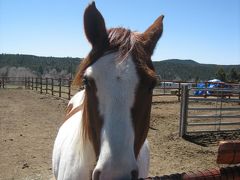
107, 122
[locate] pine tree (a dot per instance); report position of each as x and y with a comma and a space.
233, 75
221, 75
40, 70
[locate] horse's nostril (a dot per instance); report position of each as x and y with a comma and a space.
134, 174
96, 175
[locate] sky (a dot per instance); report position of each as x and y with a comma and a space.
207, 31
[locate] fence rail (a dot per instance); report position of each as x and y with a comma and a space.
222, 115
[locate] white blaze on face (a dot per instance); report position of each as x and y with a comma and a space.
116, 84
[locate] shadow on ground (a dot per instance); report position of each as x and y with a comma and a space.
212, 138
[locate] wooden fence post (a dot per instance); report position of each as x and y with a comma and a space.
32, 83
164, 87
184, 111
69, 88
29, 83
60, 86
25, 82
239, 98
41, 85
46, 85
239, 94
52, 89
36, 83
179, 91
205, 92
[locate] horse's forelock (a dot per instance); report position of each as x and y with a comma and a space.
125, 42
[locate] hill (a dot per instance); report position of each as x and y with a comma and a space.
189, 70
172, 69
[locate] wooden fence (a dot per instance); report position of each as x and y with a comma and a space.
11, 82
61, 87
213, 114
57, 87
168, 88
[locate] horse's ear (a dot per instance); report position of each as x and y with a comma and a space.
152, 34
94, 26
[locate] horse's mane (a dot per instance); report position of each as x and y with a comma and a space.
125, 42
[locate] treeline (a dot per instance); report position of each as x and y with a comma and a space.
40, 64
189, 70
174, 69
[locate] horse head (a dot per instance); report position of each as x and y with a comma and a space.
119, 77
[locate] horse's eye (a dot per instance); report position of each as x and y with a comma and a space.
152, 86
150, 89
85, 81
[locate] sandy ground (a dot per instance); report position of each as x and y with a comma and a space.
29, 122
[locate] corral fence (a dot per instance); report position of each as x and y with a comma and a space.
168, 88
62, 87
216, 110
55, 86
12, 82
173, 88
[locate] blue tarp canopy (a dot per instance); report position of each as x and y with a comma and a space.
216, 83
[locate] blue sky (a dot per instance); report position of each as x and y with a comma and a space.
207, 31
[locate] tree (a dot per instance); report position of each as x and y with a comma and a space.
40, 70
233, 75
221, 75
197, 79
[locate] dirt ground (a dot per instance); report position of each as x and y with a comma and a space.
29, 122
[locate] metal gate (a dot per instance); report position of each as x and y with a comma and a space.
219, 111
